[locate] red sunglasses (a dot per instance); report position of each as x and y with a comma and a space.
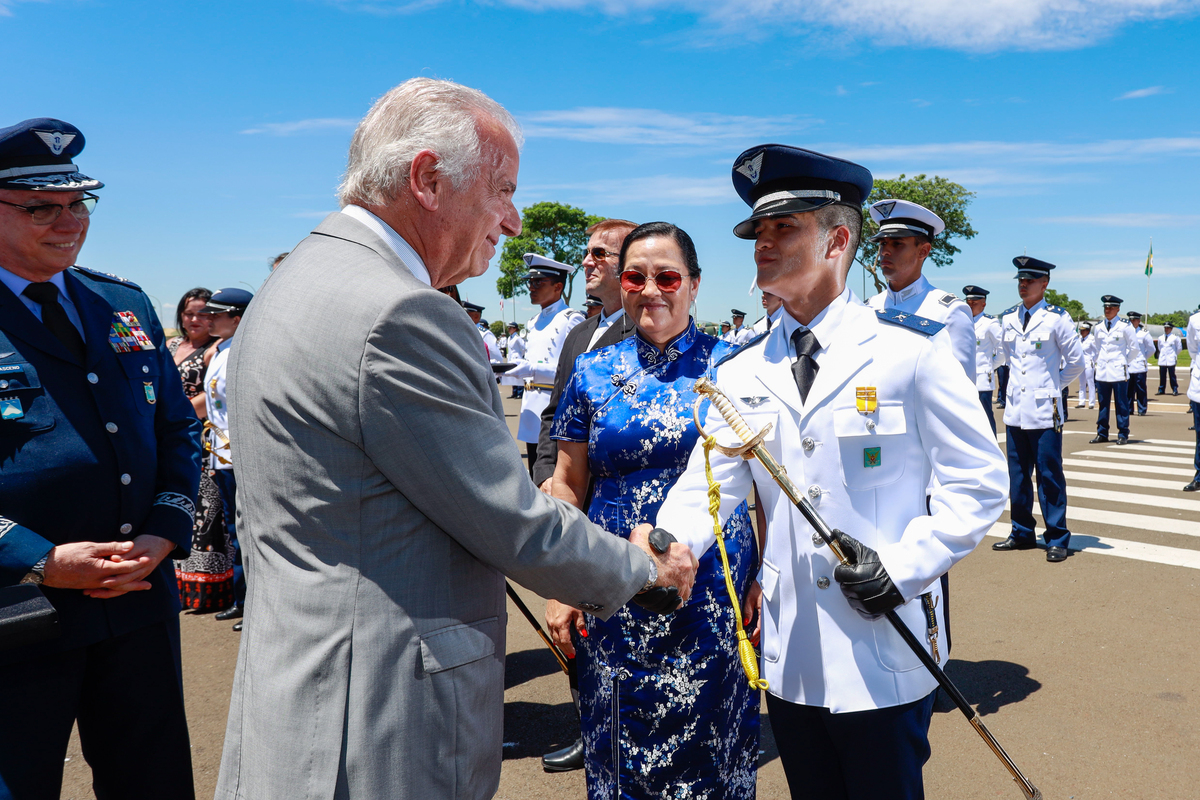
667, 282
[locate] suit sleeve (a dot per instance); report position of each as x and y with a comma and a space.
430, 425
20, 549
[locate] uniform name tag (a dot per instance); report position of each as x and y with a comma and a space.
872, 456
11, 368
10, 408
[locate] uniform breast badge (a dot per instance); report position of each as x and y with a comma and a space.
126, 334
864, 398
10, 408
150, 398
872, 456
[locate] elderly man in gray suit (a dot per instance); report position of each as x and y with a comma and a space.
382, 497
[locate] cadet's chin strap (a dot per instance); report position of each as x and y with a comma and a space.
746, 652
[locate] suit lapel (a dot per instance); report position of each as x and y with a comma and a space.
18, 321
776, 372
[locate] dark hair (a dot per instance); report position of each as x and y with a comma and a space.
199, 293
837, 214
452, 291
275, 261
674, 232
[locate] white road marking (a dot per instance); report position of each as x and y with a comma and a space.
1137, 522
1185, 502
1138, 468
1124, 456
1169, 449
1154, 553
1123, 480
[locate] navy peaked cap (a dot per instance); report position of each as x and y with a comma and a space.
472, 306
227, 300
593, 301
1029, 267
737, 313
973, 292
775, 179
1134, 314
1111, 300
36, 155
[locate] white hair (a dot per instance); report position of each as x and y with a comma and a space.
419, 114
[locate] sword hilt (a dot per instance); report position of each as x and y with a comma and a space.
707, 388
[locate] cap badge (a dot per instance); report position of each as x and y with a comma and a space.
885, 209
752, 168
55, 140
1022, 260
864, 397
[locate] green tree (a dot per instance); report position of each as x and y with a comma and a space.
554, 230
498, 328
1177, 318
1072, 307
945, 198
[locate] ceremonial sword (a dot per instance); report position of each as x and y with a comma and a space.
558, 654
753, 447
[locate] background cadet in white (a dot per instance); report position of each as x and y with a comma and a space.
544, 337
490, 345
906, 234
1115, 348
771, 305
514, 349
1044, 355
1193, 392
1168, 346
740, 333
726, 334
866, 473
1139, 364
989, 349
1087, 382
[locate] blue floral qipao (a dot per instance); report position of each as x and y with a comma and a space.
685, 718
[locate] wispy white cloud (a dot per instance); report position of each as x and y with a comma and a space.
646, 126
981, 25
663, 190
1130, 220
302, 126
1149, 91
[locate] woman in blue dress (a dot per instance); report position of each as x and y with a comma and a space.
665, 708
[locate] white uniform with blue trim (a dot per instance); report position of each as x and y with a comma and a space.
1043, 357
866, 474
1143, 349
1115, 350
544, 338
989, 351
926, 300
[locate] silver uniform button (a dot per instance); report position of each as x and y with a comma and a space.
822, 582
814, 491
808, 444
145, 368
126, 528
126, 479
93, 377
870, 424
111, 427
3, 384
818, 541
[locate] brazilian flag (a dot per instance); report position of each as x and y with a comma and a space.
1150, 261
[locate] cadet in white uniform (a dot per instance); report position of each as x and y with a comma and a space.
490, 345
544, 337
726, 334
989, 348
1139, 365
1193, 392
906, 234
740, 333
866, 468
772, 305
1115, 347
1087, 384
1044, 355
514, 351
1169, 346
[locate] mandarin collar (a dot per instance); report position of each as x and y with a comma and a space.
674, 349
914, 288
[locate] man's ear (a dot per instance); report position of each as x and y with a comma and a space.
837, 243
424, 180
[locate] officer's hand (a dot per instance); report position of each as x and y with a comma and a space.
676, 566
147, 553
560, 619
547, 486
87, 565
865, 582
752, 612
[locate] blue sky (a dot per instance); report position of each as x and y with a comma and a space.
221, 128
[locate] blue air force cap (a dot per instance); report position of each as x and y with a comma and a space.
35, 155
775, 179
1134, 315
478, 309
1028, 267
227, 300
900, 218
975, 293
1111, 300
593, 302
542, 267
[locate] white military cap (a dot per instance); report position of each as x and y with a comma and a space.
542, 267
899, 218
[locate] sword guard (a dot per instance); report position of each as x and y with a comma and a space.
742, 450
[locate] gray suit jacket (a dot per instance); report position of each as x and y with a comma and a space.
382, 500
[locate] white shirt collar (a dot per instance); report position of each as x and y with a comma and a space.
823, 325
553, 308
393, 240
917, 286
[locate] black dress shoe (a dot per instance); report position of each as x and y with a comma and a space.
1056, 554
1156, 394
566, 760
233, 612
237, 626
1013, 544
1099, 440
1122, 440
1194, 486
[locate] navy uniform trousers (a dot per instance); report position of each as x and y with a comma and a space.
1106, 391
1137, 391
1040, 448
1002, 384
985, 399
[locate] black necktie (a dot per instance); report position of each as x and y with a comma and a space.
55, 318
804, 368
1025, 324
1108, 325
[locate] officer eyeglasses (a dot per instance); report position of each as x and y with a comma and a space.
667, 282
600, 254
48, 213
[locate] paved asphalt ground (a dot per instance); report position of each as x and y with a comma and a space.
1085, 671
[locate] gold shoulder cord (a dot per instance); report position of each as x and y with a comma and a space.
746, 652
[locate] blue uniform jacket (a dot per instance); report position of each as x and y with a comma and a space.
102, 451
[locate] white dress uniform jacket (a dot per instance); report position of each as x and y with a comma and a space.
1089, 346
516, 352
767, 322
544, 335
740, 336
218, 408
1042, 358
816, 650
1115, 349
924, 299
1193, 345
490, 344
989, 350
1168, 350
1143, 349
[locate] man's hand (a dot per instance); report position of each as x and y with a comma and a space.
676, 567
547, 486
108, 569
752, 611
865, 582
560, 619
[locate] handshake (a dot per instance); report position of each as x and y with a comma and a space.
676, 570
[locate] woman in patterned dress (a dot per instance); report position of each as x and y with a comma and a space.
665, 708
206, 576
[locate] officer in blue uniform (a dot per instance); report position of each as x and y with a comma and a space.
99, 465
1044, 355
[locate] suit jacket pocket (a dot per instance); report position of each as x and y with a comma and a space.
455, 645
873, 446
28, 409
